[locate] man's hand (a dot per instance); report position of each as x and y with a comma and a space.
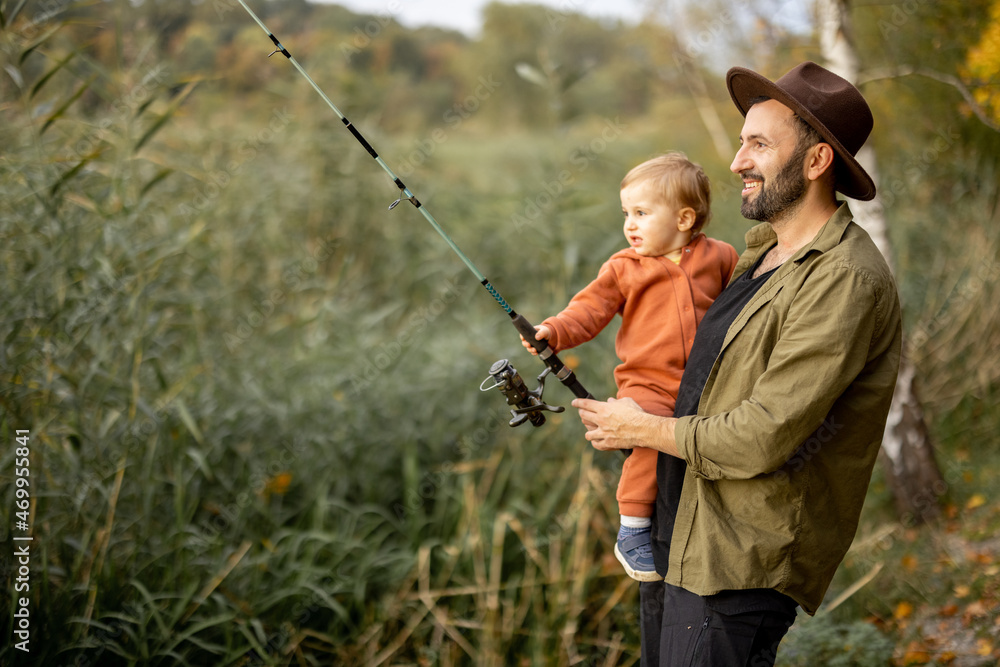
622, 424
608, 424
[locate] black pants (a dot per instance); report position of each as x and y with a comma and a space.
681, 629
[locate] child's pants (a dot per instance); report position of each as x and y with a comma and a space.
637, 484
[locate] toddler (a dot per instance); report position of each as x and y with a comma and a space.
661, 285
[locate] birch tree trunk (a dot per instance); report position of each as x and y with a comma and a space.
907, 453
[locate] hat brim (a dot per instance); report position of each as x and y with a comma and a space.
746, 85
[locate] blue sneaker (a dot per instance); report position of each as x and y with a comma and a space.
634, 551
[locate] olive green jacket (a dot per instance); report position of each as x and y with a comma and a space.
781, 451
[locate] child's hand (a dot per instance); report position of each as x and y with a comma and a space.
541, 333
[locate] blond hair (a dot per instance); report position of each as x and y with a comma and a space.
679, 181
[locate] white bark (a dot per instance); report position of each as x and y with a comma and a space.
908, 454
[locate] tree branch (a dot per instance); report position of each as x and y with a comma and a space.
949, 79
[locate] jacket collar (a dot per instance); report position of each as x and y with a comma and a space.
760, 238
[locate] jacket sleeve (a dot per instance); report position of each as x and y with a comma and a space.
823, 344
589, 311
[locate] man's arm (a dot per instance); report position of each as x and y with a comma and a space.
622, 424
823, 346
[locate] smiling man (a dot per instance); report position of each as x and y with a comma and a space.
764, 467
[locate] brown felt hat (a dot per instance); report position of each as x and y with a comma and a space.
827, 102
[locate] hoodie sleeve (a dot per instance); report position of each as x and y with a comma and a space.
589, 311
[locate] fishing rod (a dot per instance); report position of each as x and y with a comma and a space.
526, 404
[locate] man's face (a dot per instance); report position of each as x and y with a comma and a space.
769, 163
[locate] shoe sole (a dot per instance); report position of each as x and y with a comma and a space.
632, 572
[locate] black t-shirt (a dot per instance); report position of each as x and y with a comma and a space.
670, 470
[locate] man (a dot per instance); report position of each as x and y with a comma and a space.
764, 467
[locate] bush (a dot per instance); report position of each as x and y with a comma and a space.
819, 641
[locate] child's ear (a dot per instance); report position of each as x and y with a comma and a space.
686, 218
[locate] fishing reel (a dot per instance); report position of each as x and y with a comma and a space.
527, 404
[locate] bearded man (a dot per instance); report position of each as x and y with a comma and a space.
764, 467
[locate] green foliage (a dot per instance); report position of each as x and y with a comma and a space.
816, 642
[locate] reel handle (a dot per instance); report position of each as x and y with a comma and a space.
526, 404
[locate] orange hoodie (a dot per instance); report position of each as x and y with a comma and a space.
661, 304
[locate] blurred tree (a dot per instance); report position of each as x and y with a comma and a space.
911, 469
555, 79
196, 48
685, 67
407, 56
244, 73
164, 18
907, 452
574, 49
511, 35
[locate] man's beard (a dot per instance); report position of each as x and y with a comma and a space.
782, 195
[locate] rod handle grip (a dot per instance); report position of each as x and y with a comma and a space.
545, 353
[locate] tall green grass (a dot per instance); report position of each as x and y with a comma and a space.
251, 392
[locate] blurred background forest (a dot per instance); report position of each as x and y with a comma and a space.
256, 436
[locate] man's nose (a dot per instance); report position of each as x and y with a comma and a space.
741, 162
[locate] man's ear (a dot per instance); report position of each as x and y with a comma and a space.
686, 218
821, 158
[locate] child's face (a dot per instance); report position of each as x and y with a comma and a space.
652, 226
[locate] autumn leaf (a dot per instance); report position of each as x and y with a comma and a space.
961, 591
984, 647
877, 621
983, 558
977, 608
278, 484
909, 563
916, 658
915, 655
975, 501
949, 609
903, 610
